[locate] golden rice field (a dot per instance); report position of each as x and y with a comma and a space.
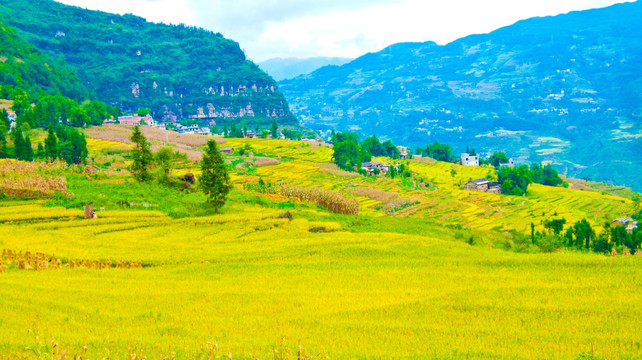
249, 284
245, 281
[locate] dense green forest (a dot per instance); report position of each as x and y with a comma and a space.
131, 63
24, 67
45, 95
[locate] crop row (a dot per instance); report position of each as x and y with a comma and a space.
39, 261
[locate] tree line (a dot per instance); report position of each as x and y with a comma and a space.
62, 142
582, 236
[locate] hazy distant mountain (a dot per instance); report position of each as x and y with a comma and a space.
566, 88
287, 68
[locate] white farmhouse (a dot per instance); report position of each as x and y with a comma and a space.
469, 160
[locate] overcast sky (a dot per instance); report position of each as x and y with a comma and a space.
346, 28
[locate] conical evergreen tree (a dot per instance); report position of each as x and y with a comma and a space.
28, 150
3, 141
214, 180
274, 129
143, 157
51, 144
18, 144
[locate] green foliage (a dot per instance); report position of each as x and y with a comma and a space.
514, 180
142, 156
291, 134
590, 111
51, 144
347, 155
437, 151
497, 158
550, 243
28, 69
28, 149
167, 160
274, 129
555, 225
72, 145
3, 141
136, 64
19, 148
583, 234
214, 180
545, 175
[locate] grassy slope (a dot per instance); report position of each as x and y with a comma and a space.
389, 287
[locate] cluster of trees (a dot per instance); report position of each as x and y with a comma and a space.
240, 132
58, 109
582, 236
62, 142
349, 154
214, 180
437, 151
515, 180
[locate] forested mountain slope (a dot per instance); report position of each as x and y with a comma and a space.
25, 67
130, 63
565, 88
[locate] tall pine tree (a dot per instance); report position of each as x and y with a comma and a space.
28, 150
18, 144
3, 141
214, 181
51, 144
143, 157
274, 129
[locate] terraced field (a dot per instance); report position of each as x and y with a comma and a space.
158, 275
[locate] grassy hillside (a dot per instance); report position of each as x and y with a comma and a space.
158, 275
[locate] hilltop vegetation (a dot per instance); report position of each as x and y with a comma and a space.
24, 67
423, 263
562, 88
130, 63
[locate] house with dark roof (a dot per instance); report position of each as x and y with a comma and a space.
494, 187
477, 185
627, 222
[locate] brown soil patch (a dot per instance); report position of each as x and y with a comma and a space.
188, 144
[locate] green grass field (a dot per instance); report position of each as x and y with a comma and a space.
379, 285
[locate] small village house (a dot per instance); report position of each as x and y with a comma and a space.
494, 187
227, 150
370, 166
510, 163
477, 185
627, 222
403, 151
136, 120
469, 160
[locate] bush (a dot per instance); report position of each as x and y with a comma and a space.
550, 243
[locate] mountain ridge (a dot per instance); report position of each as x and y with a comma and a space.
287, 68
552, 88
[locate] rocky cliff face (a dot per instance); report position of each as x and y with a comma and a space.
566, 89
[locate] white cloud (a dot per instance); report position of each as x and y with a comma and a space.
305, 28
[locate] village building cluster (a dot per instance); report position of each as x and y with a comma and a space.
627, 222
